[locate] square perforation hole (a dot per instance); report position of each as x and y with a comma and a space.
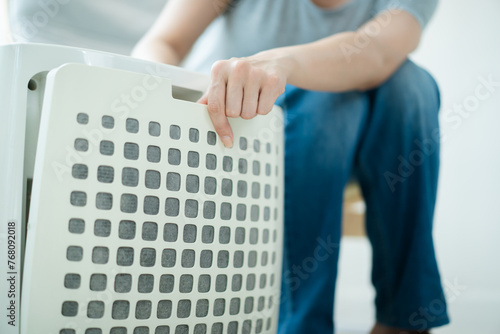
227, 187
219, 307
126, 230
206, 258
256, 145
256, 168
149, 231
241, 212
211, 138
211, 161
243, 143
131, 151
242, 166
200, 329
170, 232
153, 154
125, 256
128, 203
210, 185
168, 258
209, 210
238, 259
147, 257
108, 122
74, 253
189, 233
227, 164
174, 156
255, 190
123, 283
81, 144
80, 171
242, 189
72, 281
224, 235
76, 226
152, 179
82, 118
132, 125
204, 283
120, 310
184, 308
105, 174
164, 309
102, 228
234, 306
175, 132
192, 183
151, 205
173, 181
100, 255
207, 234
167, 283
223, 259
240, 235
194, 135
191, 208
130, 177
107, 147
252, 259
188, 258
225, 211
201, 312
193, 159
98, 282
154, 129
118, 330
104, 201
236, 282
221, 283
186, 283
78, 198
69, 309
143, 310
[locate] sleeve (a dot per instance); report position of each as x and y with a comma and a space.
422, 10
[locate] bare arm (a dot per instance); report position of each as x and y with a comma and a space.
356, 60
245, 87
179, 25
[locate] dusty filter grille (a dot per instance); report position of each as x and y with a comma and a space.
141, 221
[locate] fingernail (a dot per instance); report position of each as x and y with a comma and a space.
227, 141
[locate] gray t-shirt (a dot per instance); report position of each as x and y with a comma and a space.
251, 26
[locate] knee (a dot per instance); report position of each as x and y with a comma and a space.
411, 93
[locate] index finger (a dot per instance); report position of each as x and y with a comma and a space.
217, 112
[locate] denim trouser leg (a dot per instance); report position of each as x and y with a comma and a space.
389, 138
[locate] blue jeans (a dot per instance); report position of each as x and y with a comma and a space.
388, 138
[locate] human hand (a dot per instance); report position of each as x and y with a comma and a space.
244, 87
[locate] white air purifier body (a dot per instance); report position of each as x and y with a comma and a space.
121, 211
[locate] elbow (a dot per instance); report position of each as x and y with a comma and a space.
380, 68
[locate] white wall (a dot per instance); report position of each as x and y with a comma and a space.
461, 44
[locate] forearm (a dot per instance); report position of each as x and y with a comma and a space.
357, 60
331, 64
158, 51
